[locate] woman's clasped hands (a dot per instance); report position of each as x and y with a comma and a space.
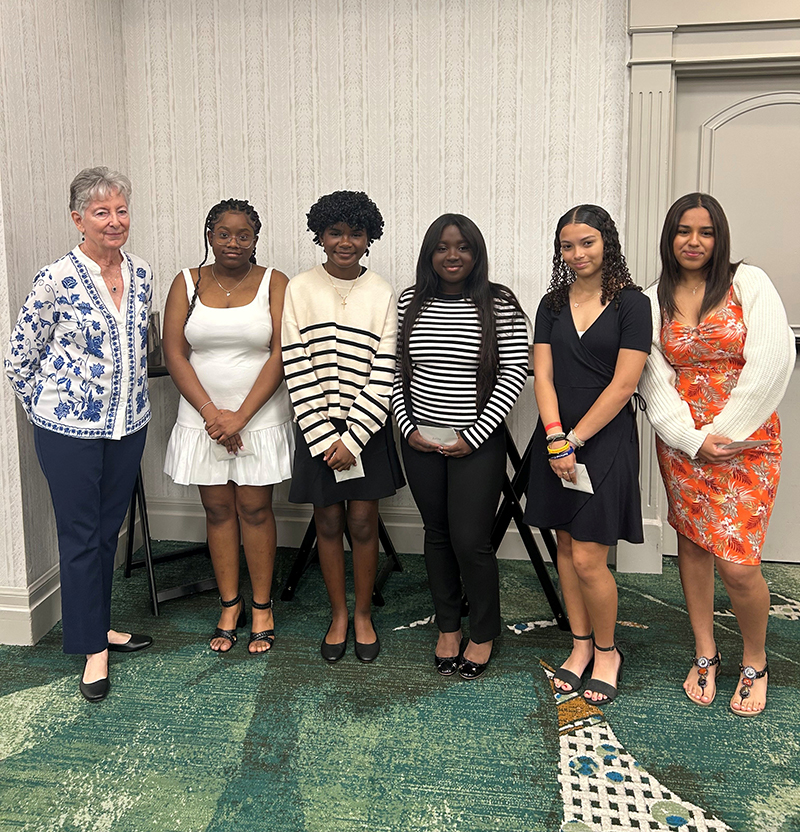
223, 426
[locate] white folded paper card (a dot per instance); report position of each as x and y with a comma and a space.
745, 443
221, 452
438, 436
582, 481
354, 472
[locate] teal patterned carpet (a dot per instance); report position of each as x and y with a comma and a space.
190, 741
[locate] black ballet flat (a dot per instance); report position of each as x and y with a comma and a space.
333, 652
448, 666
368, 652
134, 643
95, 691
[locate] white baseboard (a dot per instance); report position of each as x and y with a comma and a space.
27, 614
181, 519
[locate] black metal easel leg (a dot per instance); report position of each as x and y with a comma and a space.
306, 555
148, 546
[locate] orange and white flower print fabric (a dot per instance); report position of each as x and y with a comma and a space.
723, 506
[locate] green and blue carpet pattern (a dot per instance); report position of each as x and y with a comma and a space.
191, 741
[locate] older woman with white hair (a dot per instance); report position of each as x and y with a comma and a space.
77, 362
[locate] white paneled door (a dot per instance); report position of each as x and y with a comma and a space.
738, 138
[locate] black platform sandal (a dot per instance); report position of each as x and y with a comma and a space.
568, 677
241, 621
603, 688
264, 635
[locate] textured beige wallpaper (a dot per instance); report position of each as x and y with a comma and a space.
62, 107
507, 110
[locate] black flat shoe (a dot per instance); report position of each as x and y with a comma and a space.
471, 670
368, 652
333, 652
95, 691
134, 643
449, 665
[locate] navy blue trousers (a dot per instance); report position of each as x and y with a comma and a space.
458, 498
91, 482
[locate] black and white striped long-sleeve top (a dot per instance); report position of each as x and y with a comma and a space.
444, 346
339, 358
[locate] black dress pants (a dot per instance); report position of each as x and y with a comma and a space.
458, 499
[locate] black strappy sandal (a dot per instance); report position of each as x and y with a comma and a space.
241, 621
568, 677
264, 635
603, 688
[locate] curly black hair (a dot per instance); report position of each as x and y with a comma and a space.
354, 208
236, 206
615, 274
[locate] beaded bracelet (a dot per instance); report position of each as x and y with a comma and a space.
200, 411
562, 454
571, 437
558, 449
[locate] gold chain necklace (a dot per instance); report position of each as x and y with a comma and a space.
576, 304
336, 288
213, 274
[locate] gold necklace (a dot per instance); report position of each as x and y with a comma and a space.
576, 304
213, 274
701, 283
336, 288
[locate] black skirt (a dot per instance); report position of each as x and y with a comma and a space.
314, 482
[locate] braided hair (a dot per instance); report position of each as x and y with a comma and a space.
615, 274
236, 206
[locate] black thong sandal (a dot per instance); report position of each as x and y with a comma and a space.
568, 677
241, 621
603, 688
748, 675
703, 664
264, 635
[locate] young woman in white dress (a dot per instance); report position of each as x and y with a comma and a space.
233, 436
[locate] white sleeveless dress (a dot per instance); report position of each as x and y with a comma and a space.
229, 349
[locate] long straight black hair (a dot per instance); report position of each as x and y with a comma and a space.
477, 288
719, 271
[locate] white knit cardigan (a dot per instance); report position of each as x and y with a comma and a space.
769, 354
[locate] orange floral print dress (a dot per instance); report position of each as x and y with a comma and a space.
722, 506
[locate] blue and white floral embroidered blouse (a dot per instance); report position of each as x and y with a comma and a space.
76, 362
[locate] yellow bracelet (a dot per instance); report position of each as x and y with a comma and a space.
559, 449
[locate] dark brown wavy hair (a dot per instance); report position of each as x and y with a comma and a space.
719, 271
615, 274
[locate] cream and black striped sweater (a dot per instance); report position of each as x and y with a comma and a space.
339, 360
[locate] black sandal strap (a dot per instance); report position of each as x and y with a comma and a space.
267, 606
749, 674
230, 635
264, 635
582, 638
232, 603
605, 650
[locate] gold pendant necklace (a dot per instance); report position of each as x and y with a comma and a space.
227, 293
336, 289
576, 304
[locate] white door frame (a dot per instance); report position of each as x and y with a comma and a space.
668, 40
